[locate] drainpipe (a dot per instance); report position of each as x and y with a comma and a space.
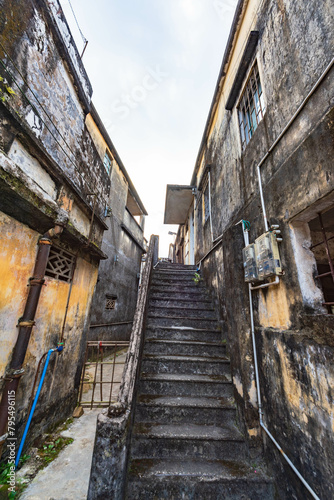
25, 324
257, 379
210, 211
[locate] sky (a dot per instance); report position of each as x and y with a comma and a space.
153, 66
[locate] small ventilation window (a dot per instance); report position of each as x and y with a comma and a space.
111, 301
60, 264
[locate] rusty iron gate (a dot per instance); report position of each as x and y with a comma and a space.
102, 373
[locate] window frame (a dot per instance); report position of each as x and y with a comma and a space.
58, 257
253, 109
108, 166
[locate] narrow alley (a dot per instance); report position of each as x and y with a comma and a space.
167, 313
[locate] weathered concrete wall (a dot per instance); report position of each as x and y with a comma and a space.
293, 331
48, 166
33, 51
123, 243
59, 393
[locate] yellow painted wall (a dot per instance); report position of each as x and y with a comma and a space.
97, 137
274, 307
18, 254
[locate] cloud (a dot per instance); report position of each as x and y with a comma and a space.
159, 132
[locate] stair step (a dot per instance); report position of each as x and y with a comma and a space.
183, 334
175, 267
154, 320
181, 303
187, 440
184, 312
169, 409
176, 284
197, 480
186, 385
171, 293
190, 348
174, 273
175, 278
153, 363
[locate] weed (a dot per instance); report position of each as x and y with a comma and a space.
197, 278
50, 450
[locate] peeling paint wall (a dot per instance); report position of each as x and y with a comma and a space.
17, 257
294, 333
50, 170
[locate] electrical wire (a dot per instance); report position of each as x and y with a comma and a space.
84, 39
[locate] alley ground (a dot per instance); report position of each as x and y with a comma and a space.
67, 477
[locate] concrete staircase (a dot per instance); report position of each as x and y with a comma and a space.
185, 443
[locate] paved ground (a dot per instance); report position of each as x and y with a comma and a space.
67, 477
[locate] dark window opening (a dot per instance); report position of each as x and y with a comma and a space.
60, 264
206, 203
322, 234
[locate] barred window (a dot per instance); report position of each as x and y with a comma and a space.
251, 107
111, 301
107, 162
206, 203
322, 235
60, 264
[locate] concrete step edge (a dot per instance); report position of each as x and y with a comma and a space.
187, 432
186, 359
185, 342
226, 470
183, 378
199, 402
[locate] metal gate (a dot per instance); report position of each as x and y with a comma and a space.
102, 373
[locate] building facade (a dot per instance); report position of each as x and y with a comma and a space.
266, 158
55, 195
115, 296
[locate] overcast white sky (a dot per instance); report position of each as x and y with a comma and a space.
153, 65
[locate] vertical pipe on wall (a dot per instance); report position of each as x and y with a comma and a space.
257, 379
25, 325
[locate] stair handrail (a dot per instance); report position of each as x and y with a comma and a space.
128, 381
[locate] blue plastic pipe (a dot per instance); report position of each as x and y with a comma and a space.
58, 349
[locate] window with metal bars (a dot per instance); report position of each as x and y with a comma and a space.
107, 162
111, 301
60, 264
251, 106
322, 234
206, 202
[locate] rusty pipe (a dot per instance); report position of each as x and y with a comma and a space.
25, 325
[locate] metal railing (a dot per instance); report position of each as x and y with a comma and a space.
101, 373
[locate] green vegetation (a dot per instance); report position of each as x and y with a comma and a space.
51, 449
197, 278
